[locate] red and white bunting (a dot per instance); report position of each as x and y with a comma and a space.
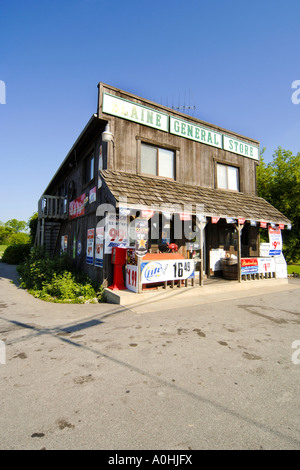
147, 213
183, 216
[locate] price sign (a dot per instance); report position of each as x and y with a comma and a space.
90, 246
115, 232
275, 241
163, 270
132, 277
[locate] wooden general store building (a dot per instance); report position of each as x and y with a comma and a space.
151, 156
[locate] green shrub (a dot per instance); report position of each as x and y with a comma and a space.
2, 249
64, 287
52, 279
16, 254
19, 239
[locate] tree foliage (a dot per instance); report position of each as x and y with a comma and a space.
279, 183
13, 232
16, 225
32, 224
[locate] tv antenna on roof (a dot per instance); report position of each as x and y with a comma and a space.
184, 108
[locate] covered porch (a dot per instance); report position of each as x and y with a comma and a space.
216, 227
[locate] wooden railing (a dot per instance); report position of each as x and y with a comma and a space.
53, 207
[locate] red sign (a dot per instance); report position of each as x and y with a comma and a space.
183, 216
215, 220
249, 266
76, 207
249, 262
147, 213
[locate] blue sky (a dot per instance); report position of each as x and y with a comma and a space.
235, 61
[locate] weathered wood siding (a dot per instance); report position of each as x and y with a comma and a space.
195, 165
195, 161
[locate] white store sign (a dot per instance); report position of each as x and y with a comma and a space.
191, 131
135, 112
241, 148
132, 111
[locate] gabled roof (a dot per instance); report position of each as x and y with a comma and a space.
147, 191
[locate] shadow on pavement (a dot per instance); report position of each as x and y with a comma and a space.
9, 271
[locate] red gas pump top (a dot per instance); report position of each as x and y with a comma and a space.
118, 255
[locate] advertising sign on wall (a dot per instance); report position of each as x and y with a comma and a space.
275, 240
141, 237
92, 195
99, 247
74, 246
76, 207
64, 244
257, 265
167, 270
249, 265
90, 246
266, 265
132, 277
115, 232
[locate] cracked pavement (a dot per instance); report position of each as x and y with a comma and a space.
212, 373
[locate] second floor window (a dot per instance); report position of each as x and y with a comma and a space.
228, 177
89, 169
157, 161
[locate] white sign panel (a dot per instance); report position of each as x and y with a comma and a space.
215, 259
281, 267
241, 148
266, 265
90, 246
166, 270
115, 233
134, 112
99, 247
191, 131
275, 241
132, 277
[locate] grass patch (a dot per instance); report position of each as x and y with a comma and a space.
293, 268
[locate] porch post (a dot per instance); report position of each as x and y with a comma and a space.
139, 277
201, 226
43, 232
239, 228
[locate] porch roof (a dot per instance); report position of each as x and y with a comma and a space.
144, 191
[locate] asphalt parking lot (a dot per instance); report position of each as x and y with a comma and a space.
218, 372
